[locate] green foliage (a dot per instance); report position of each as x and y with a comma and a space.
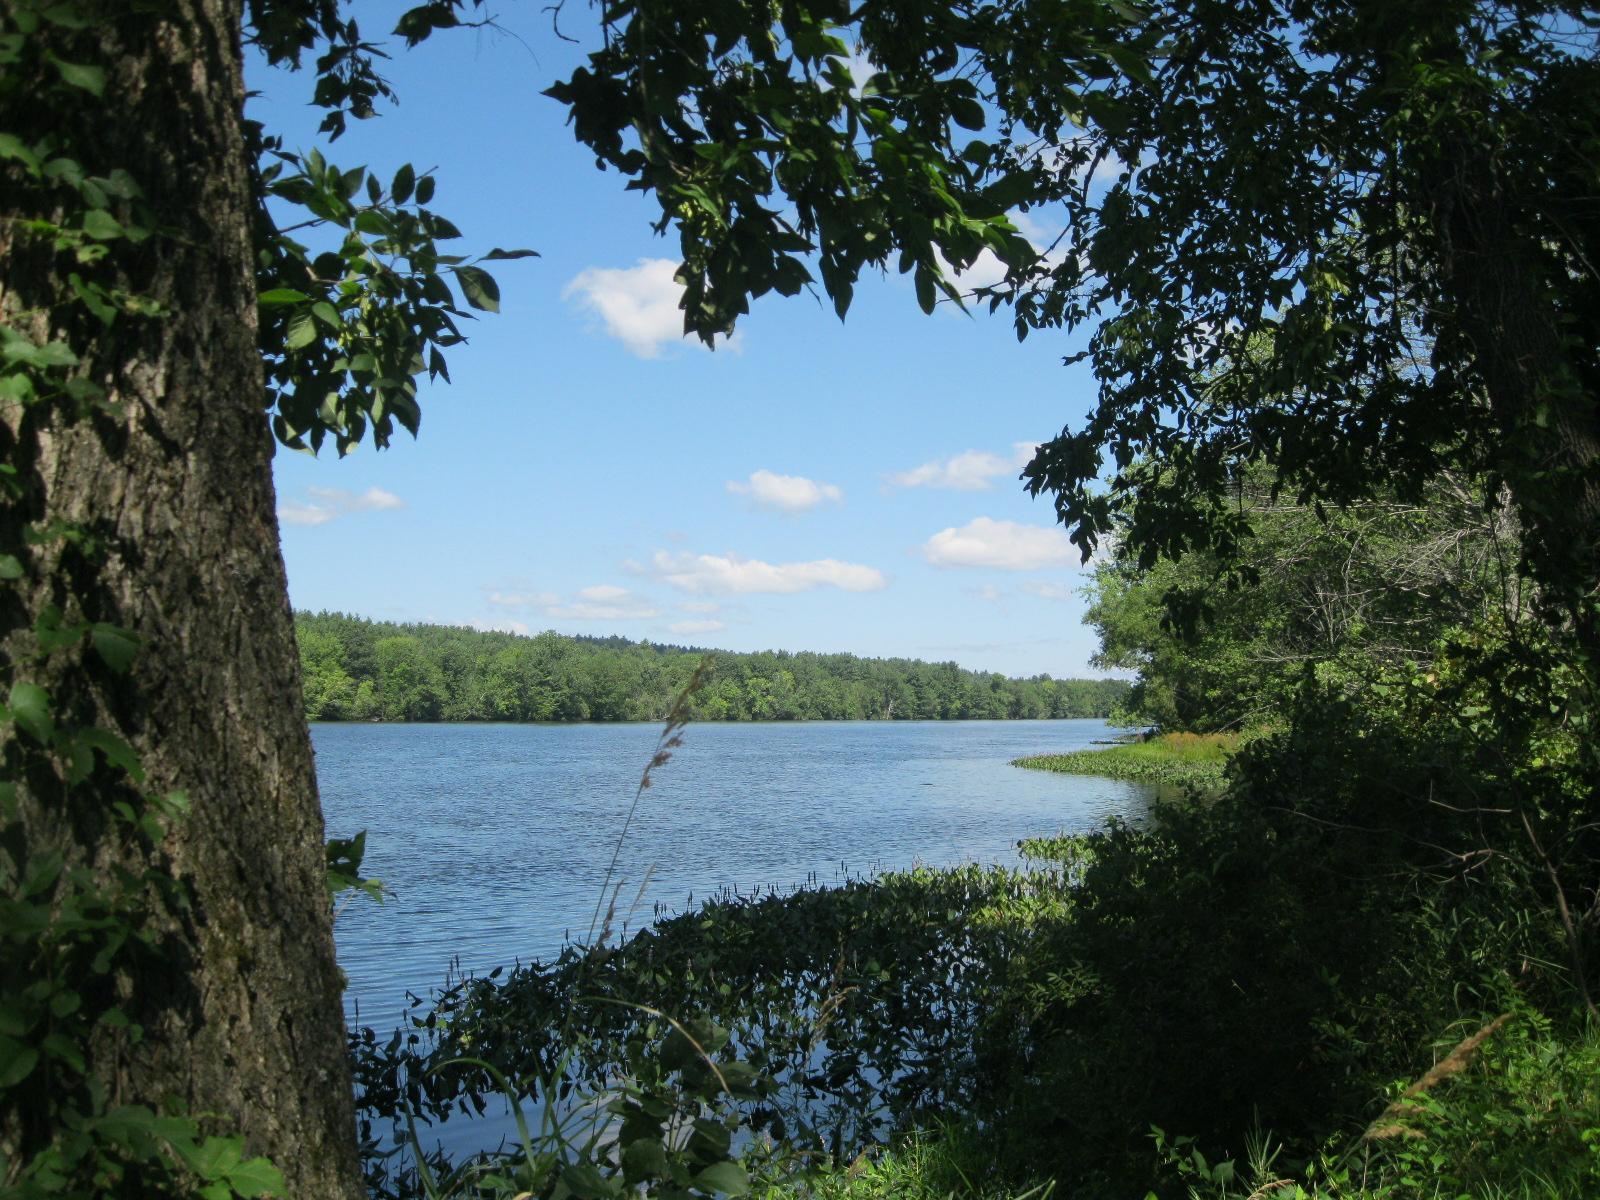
344, 857
363, 670
748, 125
1343, 593
1194, 762
1522, 1122
344, 332
1272, 959
1388, 203
946, 1162
857, 1006
664, 1129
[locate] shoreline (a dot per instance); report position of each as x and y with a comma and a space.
1197, 762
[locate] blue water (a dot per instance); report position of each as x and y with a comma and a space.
494, 839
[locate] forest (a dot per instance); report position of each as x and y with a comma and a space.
359, 670
1329, 270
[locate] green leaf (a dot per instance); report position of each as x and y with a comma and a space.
18, 349
404, 180
115, 646
101, 225
257, 1177
13, 147
16, 1061
282, 295
302, 332
94, 297
68, 15
966, 112
44, 873
498, 254
327, 314
585, 1182
30, 708
116, 751
644, 1159
10, 567
52, 633
726, 1177
59, 1047
216, 1157
479, 287
80, 75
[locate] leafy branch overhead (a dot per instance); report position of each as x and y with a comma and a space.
1392, 201
351, 318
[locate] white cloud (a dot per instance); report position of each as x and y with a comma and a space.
1007, 545
295, 513
984, 271
1049, 591
328, 503
696, 626
603, 602
733, 575
374, 499
638, 305
699, 606
522, 599
969, 471
630, 610
861, 68
791, 493
990, 594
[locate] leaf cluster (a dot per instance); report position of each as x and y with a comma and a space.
350, 319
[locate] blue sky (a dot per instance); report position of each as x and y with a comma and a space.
813, 486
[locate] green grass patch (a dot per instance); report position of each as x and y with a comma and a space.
1189, 760
948, 1162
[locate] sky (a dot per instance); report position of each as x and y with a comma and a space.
813, 485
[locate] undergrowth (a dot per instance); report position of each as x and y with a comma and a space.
947, 1161
1518, 1119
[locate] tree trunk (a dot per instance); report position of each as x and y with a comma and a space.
241, 1010
1498, 275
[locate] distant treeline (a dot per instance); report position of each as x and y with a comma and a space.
360, 670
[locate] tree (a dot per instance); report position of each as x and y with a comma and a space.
143, 503
168, 971
329, 689
1397, 198
409, 687
1361, 592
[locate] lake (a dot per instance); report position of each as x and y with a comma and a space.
494, 839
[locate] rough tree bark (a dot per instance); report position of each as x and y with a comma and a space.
242, 1013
